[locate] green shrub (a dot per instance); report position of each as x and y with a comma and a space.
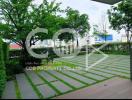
2, 69
2, 65
29, 60
117, 48
13, 67
18, 52
6, 52
2, 81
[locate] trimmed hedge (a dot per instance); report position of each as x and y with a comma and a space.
111, 48
115, 48
29, 60
13, 67
6, 52
2, 65
16, 53
2, 68
120, 48
2, 81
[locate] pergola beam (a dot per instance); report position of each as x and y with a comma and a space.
111, 2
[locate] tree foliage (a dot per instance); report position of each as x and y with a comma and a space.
19, 17
120, 17
78, 21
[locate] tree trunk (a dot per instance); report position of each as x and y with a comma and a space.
60, 46
26, 59
23, 55
77, 43
72, 45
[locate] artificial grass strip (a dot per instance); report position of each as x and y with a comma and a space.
18, 94
54, 88
62, 81
112, 74
90, 77
74, 78
34, 87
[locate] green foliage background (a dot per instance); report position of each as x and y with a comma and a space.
2, 68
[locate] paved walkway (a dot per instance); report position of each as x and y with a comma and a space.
50, 84
115, 88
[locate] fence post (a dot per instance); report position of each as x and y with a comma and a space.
131, 63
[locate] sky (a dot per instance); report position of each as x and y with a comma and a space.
94, 10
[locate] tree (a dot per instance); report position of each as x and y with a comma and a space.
120, 17
48, 18
103, 26
78, 21
74, 20
101, 29
66, 37
19, 17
